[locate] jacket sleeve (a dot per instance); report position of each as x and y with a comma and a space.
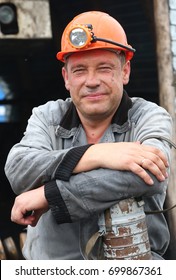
89, 193
35, 160
153, 121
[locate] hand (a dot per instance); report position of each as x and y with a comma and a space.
31, 201
126, 156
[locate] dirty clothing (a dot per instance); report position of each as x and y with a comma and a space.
52, 145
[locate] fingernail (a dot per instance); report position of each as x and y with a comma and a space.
163, 178
151, 182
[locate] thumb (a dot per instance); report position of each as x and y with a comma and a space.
36, 216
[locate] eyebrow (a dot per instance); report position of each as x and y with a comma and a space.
77, 65
99, 64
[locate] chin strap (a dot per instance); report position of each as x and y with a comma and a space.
172, 145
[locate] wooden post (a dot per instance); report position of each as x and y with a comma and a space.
167, 100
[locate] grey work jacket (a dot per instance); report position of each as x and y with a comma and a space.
52, 145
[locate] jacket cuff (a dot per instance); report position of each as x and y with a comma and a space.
70, 160
56, 203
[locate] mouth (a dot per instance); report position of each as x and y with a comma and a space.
94, 96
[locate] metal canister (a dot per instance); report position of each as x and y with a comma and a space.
124, 230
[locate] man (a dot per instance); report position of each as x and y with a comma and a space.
80, 156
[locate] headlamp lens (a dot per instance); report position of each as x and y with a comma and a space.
78, 37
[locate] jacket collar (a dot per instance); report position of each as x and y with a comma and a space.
121, 115
71, 119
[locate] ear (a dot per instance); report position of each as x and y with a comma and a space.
126, 72
65, 77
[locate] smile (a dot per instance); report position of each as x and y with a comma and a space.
95, 96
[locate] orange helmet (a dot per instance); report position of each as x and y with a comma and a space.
93, 30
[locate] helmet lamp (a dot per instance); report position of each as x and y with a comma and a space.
80, 36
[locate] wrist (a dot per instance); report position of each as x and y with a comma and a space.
89, 161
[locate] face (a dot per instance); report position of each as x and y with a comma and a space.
95, 81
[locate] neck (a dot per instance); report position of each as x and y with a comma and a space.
95, 130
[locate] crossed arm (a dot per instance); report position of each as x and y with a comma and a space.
148, 163
32, 163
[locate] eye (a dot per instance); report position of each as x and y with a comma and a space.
105, 68
78, 70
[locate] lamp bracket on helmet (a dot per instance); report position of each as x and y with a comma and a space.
81, 36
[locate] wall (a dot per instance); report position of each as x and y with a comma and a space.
33, 19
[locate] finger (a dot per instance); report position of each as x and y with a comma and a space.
28, 221
157, 157
162, 156
154, 169
156, 160
23, 221
36, 214
158, 154
138, 170
18, 216
161, 166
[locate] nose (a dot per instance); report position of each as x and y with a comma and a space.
92, 80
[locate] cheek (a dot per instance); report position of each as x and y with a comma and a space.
115, 77
120, 80
74, 91
75, 85
115, 81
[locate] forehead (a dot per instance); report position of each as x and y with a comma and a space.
92, 55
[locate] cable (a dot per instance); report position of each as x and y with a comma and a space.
173, 145
158, 137
113, 43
